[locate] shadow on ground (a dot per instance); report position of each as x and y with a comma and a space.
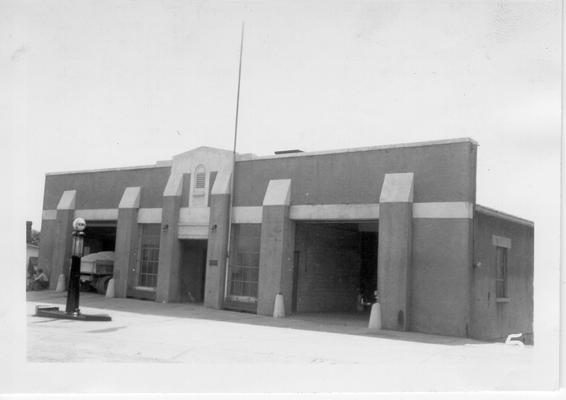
350, 324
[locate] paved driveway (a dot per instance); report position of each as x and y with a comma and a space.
228, 343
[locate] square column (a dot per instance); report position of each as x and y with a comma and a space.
169, 246
277, 248
395, 248
63, 237
217, 240
126, 240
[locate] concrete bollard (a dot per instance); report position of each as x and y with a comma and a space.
375, 317
60, 283
510, 340
110, 288
279, 307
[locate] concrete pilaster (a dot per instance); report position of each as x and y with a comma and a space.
277, 247
63, 237
216, 253
126, 240
217, 241
395, 248
169, 251
48, 229
169, 246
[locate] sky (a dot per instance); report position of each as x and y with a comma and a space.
110, 83
132, 82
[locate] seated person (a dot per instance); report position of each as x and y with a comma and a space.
31, 274
40, 281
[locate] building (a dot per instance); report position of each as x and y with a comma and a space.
32, 249
32, 253
318, 228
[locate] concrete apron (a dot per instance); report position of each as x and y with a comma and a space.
340, 323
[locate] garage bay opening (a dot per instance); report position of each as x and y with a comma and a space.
97, 263
335, 267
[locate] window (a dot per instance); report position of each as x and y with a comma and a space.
501, 272
149, 255
200, 177
244, 263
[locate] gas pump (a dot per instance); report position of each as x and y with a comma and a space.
72, 310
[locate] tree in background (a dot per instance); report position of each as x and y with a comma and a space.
32, 236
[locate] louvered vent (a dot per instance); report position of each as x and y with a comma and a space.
200, 177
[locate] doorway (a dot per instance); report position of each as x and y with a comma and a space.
192, 274
335, 267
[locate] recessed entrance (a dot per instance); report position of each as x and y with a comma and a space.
192, 273
335, 267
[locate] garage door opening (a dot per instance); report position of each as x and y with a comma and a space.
335, 267
97, 264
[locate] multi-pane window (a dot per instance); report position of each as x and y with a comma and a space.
149, 255
200, 177
244, 262
501, 272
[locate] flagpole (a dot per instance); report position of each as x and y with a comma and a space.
233, 166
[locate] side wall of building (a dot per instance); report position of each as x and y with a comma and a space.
440, 276
493, 318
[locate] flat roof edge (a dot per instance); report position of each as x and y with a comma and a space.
367, 148
501, 214
252, 157
160, 164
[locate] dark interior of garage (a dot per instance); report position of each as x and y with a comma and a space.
335, 267
99, 236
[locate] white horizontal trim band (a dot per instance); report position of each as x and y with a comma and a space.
371, 211
334, 212
460, 209
98, 214
190, 216
194, 216
247, 215
149, 216
192, 232
48, 215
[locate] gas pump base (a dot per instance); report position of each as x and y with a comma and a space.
54, 312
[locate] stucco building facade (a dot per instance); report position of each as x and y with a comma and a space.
319, 228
